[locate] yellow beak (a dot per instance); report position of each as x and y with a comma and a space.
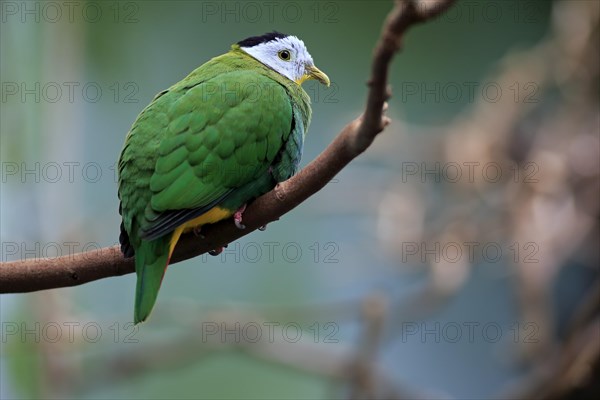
313, 72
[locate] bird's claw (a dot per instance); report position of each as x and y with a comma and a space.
197, 233
237, 217
217, 251
263, 228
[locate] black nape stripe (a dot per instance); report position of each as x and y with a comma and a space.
267, 37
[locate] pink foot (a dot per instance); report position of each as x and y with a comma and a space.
237, 217
217, 251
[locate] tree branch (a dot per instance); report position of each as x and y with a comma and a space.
355, 138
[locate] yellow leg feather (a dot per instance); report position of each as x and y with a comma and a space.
215, 214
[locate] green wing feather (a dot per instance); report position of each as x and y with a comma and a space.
223, 134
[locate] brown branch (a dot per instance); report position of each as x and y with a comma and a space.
355, 138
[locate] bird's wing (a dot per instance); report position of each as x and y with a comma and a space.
221, 135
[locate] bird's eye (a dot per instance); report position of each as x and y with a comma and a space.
284, 55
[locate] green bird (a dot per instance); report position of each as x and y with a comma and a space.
202, 149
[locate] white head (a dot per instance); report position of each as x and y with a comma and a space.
285, 54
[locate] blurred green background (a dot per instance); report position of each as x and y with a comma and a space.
74, 77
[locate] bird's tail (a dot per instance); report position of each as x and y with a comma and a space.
151, 261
